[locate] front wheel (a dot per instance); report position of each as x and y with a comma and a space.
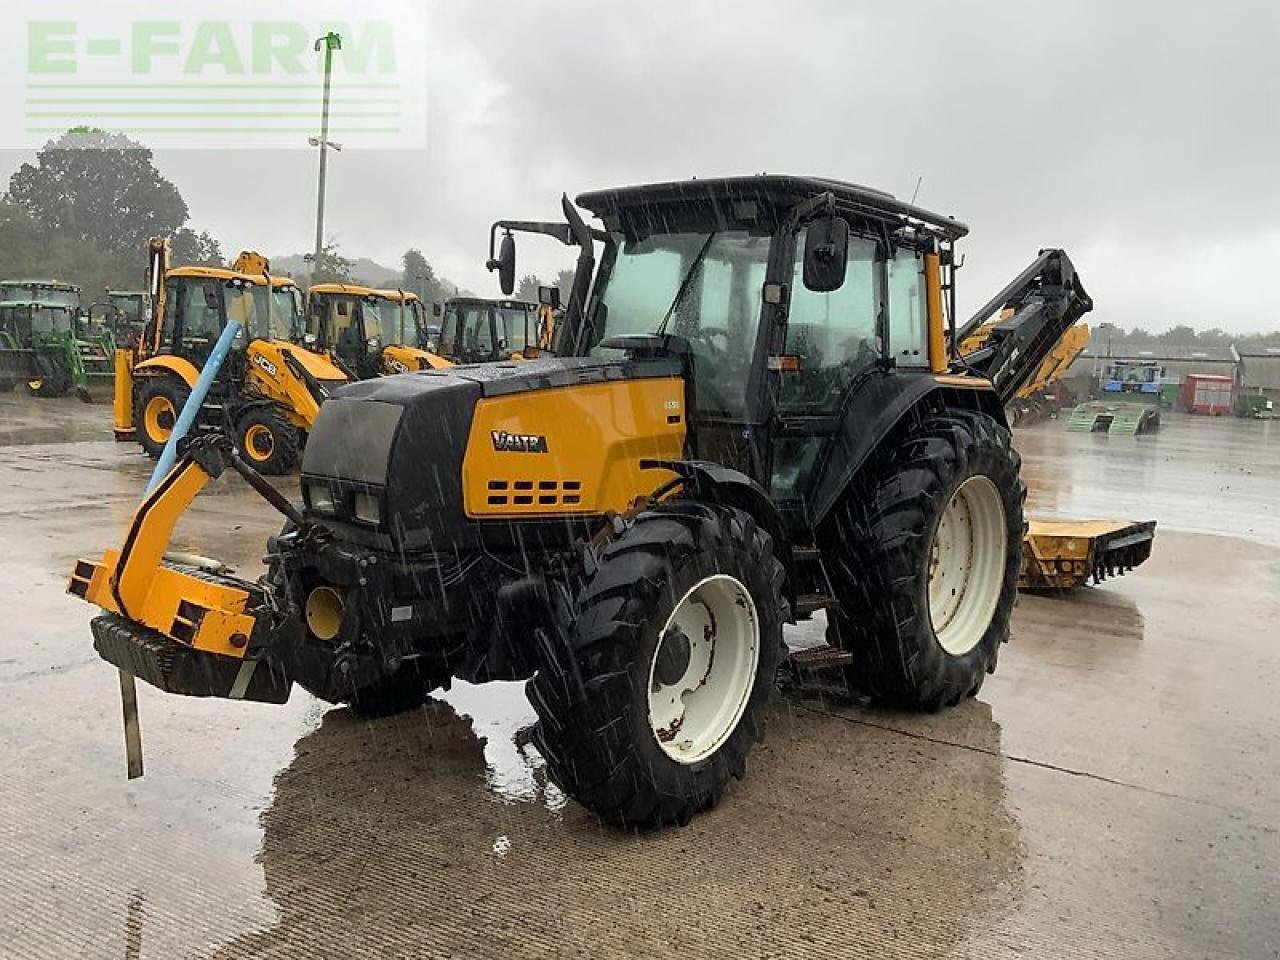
653, 680
927, 547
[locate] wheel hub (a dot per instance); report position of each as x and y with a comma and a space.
703, 669
966, 565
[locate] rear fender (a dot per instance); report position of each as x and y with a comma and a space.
878, 411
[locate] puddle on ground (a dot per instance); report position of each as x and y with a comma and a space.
502, 718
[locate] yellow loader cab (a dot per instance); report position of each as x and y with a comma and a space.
269, 391
754, 416
369, 332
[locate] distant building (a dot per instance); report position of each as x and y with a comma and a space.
1259, 368
1175, 360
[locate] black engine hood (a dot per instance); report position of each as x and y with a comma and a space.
405, 437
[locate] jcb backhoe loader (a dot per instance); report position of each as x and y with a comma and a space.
756, 415
369, 332
269, 393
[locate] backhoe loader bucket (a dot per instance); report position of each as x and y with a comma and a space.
1061, 554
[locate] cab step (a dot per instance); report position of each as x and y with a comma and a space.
822, 657
807, 604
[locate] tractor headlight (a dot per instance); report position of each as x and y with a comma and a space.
367, 508
321, 498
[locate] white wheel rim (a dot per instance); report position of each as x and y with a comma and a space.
966, 565
693, 716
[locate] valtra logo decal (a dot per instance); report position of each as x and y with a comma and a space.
265, 364
505, 442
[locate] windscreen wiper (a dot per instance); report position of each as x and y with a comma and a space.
685, 283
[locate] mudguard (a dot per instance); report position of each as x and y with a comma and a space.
167, 363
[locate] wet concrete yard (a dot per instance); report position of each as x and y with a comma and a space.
1112, 792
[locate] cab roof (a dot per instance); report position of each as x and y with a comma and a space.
771, 190
222, 273
43, 284
486, 301
28, 302
356, 290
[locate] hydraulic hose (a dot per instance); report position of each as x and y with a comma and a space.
195, 401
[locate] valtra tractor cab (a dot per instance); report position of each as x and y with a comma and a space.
475, 330
369, 332
268, 393
756, 415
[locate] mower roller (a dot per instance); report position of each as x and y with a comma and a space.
755, 416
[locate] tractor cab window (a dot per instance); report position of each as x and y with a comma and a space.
339, 329
201, 312
513, 329
702, 287
466, 332
264, 313
381, 320
834, 334
50, 320
908, 318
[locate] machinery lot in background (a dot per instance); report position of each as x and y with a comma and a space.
958, 834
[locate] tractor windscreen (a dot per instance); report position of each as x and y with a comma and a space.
57, 295
268, 314
129, 307
703, 287
382, 319
513, 329
50, 319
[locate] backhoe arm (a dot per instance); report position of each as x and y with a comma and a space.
1046, 299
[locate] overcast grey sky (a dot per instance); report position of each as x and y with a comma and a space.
1140, 136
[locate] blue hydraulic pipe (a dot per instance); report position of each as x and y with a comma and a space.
192, 407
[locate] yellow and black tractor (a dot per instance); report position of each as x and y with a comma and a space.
369, 332
269, 392
755, 415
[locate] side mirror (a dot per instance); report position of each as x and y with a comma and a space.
436, 310
211, 299
826, 253
505, 264
549, 297
344, 308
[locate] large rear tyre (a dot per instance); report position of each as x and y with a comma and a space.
268, 442
653, 680
55, 378
157, 402
927, 547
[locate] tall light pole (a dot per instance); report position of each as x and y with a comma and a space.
328, 43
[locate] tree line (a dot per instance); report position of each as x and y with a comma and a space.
83, 211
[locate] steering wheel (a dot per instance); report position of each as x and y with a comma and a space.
708, 335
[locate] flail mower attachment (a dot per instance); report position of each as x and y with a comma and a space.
1061, 554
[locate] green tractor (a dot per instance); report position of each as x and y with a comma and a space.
52, 349
123, 312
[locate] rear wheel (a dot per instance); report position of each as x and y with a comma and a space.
652, 683
926, 569
157, 403
267, 441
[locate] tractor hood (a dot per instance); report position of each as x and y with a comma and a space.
402, 440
